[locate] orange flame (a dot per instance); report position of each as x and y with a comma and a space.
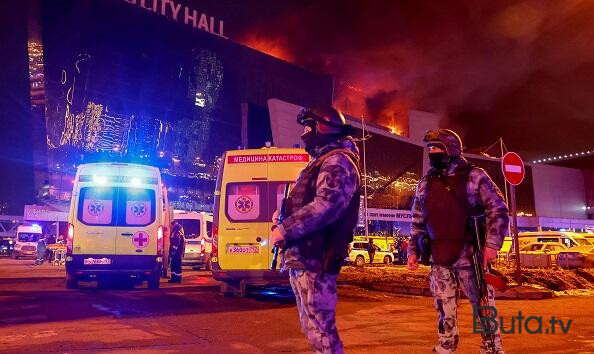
275, 47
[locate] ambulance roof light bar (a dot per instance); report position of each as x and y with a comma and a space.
101, 180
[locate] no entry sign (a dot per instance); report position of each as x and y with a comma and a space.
513, 168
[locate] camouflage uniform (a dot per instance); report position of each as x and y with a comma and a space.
445, 281
316, 302
336, 183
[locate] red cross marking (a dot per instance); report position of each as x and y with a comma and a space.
140, 239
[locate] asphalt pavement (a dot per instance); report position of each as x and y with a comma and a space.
37, 314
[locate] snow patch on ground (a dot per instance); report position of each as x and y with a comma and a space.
563, 282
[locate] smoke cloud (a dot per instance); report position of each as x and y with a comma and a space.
523, 70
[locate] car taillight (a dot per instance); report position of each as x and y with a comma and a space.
160, 240
215, 243
69, 239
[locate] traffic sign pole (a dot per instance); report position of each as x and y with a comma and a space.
514, 172
512, 192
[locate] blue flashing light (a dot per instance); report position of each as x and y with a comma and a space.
99, 179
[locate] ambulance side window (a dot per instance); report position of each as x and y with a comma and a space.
278, 192
245, 202
96, 205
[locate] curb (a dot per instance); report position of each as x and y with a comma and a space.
532, 295
407, 290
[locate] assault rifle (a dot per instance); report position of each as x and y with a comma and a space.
483, 277
280, 218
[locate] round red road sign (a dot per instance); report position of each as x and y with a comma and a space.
513, 168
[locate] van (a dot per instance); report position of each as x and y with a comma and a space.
26, 241
568, 239
249, 188
117, 224
198, 235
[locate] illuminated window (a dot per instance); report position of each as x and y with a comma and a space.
200, 99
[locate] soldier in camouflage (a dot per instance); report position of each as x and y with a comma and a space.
321, 214
449, 193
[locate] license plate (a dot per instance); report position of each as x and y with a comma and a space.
95, 261
247, 249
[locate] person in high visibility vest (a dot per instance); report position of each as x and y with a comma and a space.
176, 252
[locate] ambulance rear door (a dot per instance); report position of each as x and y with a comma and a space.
245, 215
95, 212
140, 212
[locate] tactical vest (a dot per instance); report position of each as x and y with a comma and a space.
330, 244
446, 212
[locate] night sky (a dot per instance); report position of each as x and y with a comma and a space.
521, 70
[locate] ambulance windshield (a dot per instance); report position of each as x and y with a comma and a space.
28, 237
191, 227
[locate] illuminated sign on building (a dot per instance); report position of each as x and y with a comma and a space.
268, 158
178, 12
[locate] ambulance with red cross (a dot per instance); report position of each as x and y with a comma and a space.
249, 190
117, 224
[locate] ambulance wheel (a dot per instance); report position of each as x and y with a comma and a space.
387, 260
71, 281
154, 282
229, 288
241, 290
360, 261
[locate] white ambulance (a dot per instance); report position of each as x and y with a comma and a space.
249, 188
198, 235
26, 241
118, 221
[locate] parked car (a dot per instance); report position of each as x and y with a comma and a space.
549, 248
568, 239
358, 254
577, 257
541, 248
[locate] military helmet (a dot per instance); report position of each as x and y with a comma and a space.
446, 139
330, 121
